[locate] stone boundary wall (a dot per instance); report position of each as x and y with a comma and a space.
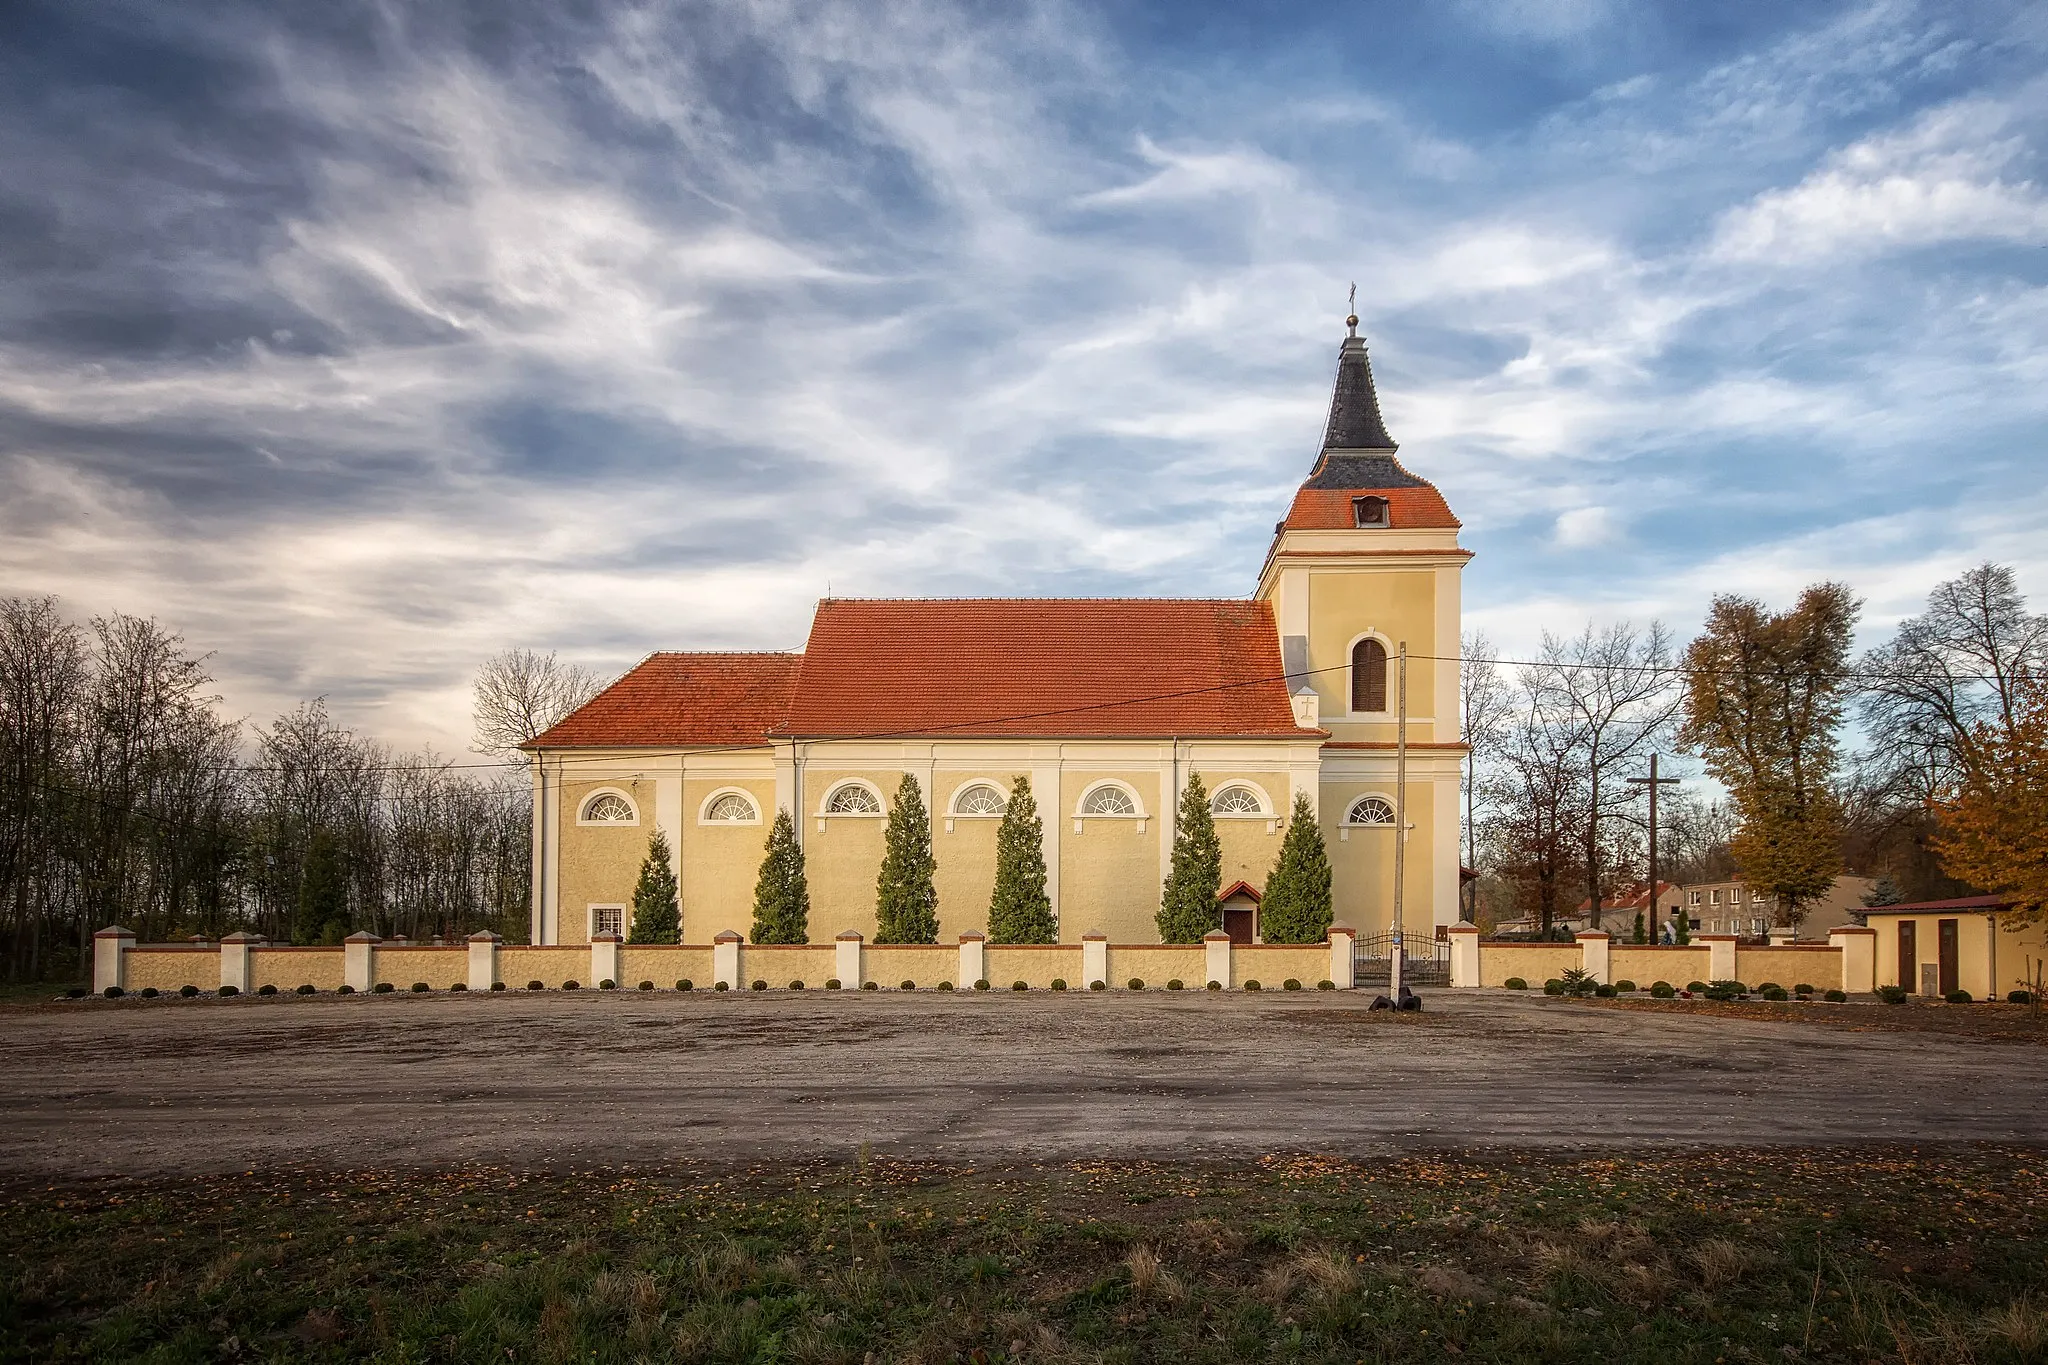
246, 963
1845, 962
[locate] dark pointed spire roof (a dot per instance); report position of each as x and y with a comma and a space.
1355, 421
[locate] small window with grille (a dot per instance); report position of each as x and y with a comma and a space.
607, 919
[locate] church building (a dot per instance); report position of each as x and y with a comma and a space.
1107, 705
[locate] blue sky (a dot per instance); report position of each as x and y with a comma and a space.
360, 342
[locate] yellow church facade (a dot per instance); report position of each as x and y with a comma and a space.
1106, 705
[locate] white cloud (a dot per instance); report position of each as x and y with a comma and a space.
1585, 527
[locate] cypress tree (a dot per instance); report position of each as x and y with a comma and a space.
1297, 904
782, 895
906, 901
1638, 938
321, 915
657, 900
1019, 911
1187, 900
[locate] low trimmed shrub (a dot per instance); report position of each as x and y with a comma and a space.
1605, 991
1020, 986
1625, 986
1725, 990
1136, 983
1515, 983
1553, 987
947, 985
907, 986
1290, 984
420, 988
1215, 985
720, 986
1776, 993
1326, 985
2019, 997
189, 991
759, 986
686, 985
1696, 986
1893, 995
796, 985
647, 985
266, 989
149, 992
607, 985
1059, 983
79, 993
343, 989
115, 992
1802, 989
381, 988
982, 984
832, 983
229, 992
572, 985
1663, 990
1768, 986
1252, 986
869, 986
1098, 985
459, 986
1835, 997
1175, 984
497, 985
1960, 998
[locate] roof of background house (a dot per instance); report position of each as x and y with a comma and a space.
1025, 667
673, 698
1053, 667
1636, 897
1929, 907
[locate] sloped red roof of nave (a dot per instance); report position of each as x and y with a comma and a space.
673, 698
1051, 667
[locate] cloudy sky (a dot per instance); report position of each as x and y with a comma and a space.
361, 341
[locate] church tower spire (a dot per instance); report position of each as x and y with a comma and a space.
1355, 424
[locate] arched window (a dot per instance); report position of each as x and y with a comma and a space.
854, 798
608, 808
732, 808
978, 798
1371, 810
1237, 799
1109, 799
1368, 675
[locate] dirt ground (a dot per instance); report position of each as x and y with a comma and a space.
93, 1088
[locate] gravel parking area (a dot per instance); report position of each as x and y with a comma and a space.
550, 1080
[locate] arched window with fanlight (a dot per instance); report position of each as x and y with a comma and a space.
1371, 810
608, 808
979, 798
1368, 675
731, 807
1237, 799
853, 798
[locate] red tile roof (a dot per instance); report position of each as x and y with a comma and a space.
1043, 667
685, 699
1329, 509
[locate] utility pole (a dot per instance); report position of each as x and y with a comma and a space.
1653, 782
1400, 822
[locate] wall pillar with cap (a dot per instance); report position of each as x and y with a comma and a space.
973, 959
1720, 955
846, 950
1343, 956
725, 959
234, 960
483, 960
110, 949
1857, 946
1464, 937
359, 960
1593, 954
604, 957
1216, 958
1094, 959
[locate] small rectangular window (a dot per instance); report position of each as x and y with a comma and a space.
1369, 511
608, 919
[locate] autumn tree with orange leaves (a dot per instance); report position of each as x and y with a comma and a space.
1994, 829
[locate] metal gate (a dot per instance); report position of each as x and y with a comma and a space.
1424, 961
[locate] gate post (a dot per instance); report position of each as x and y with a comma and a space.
1343, 956
1216, 950
1464, 954
110, 947
725, 960
973, 959
846, 960
1094, 960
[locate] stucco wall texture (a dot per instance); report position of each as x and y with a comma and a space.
1646, 965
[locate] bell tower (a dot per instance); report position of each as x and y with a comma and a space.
1366, 561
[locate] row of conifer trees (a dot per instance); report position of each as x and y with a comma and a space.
1296, 908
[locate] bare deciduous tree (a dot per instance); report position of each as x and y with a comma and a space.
1486, 708
521, 693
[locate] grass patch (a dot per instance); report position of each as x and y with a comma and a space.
1875, 1255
